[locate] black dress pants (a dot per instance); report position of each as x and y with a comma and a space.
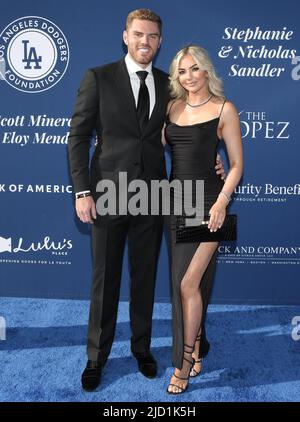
144, 235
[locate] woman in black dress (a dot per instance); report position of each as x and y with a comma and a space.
198, 118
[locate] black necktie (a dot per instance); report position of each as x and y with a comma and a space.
143, 105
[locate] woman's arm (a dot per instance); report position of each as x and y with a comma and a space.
163, 139
231, 134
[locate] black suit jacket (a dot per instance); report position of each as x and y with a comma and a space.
105, 104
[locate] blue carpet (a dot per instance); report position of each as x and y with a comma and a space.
252, 358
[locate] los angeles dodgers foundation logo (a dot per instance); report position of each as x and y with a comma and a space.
34, 53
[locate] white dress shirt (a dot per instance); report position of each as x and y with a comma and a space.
132, 68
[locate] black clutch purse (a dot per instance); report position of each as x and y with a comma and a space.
201, 233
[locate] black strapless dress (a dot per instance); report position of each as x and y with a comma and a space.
193, 152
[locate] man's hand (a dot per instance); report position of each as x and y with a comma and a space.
220, 167
86, 209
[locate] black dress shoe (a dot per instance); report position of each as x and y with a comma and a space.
147, 364
91, 376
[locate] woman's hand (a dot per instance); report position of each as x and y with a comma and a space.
217, 214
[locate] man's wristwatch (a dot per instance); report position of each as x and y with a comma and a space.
82, 194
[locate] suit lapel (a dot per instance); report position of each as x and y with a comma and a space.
159, 91
125, 93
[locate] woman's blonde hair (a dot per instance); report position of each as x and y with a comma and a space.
201, 56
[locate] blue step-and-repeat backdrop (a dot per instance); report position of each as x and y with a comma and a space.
44, 250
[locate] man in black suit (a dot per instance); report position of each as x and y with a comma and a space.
125, 103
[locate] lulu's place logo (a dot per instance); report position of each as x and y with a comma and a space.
23, 246
34, 53
5, 244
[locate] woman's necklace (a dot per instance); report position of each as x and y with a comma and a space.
200, 104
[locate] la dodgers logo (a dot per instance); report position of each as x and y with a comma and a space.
34, 54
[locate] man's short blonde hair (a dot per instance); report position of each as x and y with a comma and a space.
144, 14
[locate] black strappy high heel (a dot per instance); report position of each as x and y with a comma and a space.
191, 362
194, 373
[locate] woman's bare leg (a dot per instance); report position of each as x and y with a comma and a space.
191, 309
